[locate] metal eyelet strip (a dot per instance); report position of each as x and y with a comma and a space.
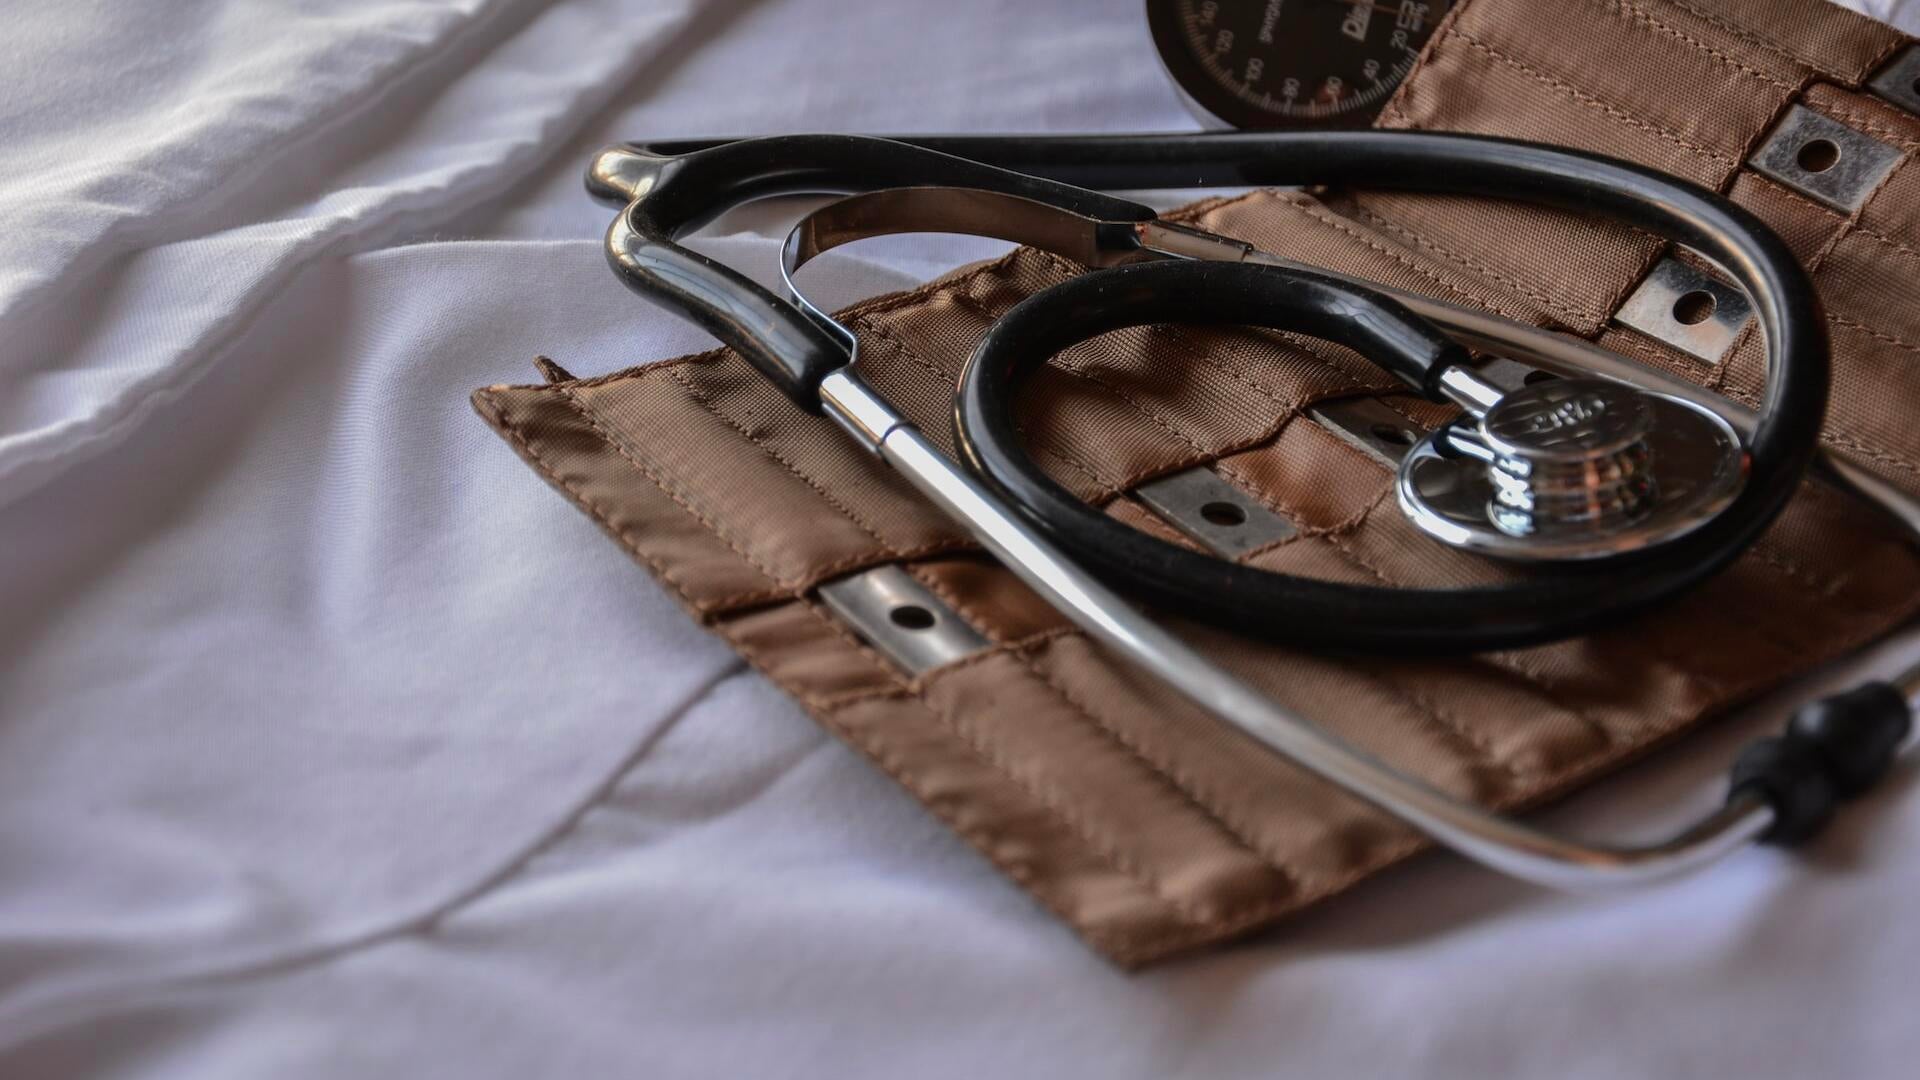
1228, 521
902, 618
1824, 159
1899, 81
1687, 309
1369, 427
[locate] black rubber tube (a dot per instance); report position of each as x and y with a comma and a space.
1547, 605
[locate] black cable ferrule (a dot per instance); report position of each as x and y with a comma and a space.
1833, 749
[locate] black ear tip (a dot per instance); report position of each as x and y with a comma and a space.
1833, 749
1857, 733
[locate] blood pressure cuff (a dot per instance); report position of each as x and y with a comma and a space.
1140, 822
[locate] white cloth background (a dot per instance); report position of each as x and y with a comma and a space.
277, 795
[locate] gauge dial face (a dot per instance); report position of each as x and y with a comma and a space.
1292, 63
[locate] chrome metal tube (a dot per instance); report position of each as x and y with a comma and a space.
1469, 391
1495, 841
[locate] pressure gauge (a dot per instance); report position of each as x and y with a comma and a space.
1291, 63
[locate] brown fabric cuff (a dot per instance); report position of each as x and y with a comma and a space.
1143, 824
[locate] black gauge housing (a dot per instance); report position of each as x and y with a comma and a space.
1291, 63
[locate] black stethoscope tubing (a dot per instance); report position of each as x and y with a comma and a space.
695, 181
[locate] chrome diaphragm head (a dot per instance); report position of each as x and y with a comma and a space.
1572, 469
1569, 453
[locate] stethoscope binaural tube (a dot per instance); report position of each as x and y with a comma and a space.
1783, 787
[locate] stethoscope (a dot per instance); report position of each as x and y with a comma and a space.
1625, 485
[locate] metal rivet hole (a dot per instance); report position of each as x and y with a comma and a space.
911, 617
1818, 155
1693, 308
1223, 513
1398, 436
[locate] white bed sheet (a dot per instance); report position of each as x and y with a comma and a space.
277, 794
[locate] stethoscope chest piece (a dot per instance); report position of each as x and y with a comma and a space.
1570, 470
